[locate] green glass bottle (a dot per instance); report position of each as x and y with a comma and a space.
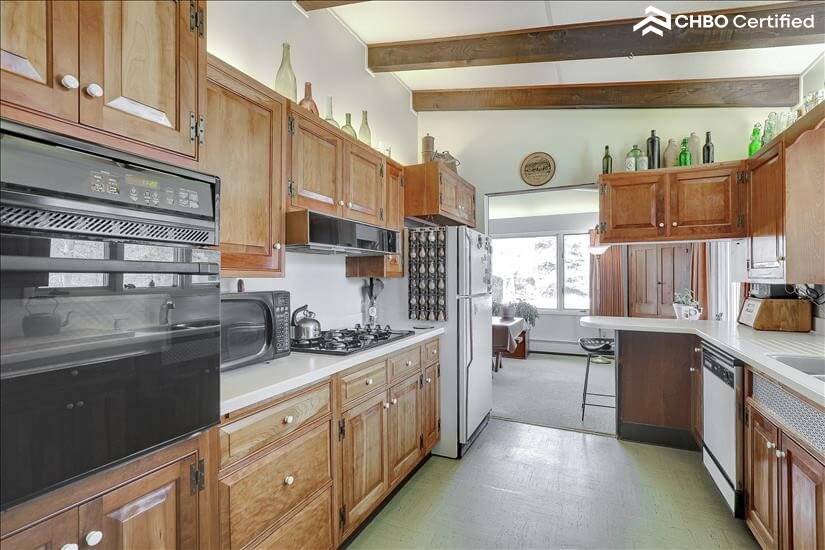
756, 140
684, 154
607, 161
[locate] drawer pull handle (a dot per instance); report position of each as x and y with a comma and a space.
429, 380
289, 480
93, 538
289, 419
369, 381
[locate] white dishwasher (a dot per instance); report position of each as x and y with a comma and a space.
722, 413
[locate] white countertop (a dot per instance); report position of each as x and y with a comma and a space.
254, 383
754, 347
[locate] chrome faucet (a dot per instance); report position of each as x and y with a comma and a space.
164, 311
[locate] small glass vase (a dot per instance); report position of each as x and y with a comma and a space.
308, 103
347, 127
285, 83
364, 133
328, 117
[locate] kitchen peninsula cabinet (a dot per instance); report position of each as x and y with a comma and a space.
245, 147
129, 75
437, 194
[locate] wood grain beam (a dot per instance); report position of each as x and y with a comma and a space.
595, 40
771, 91
312, 5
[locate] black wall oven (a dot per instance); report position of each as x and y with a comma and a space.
110, 332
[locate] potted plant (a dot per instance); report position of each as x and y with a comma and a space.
685, 305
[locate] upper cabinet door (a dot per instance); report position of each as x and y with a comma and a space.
448, 191
767, 214
365, 183
467, 203
394, 207
38, 56
316, 166
139, 71
705, 204
631, 207
245, 142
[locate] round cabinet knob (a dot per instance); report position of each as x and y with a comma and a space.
780, 259
692, 369
770, 445
697, 350
289, 480
433, 352
289, 419
349, 205
429, 380
93, 538
69, 546
340, 203
661, 224
369, 381
394, 401
386, 405
780, 454
94, 90
409, 363
276, 246
70, 82
674, 224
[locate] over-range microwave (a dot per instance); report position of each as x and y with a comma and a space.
254, 327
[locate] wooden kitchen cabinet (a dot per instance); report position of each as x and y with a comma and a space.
364, 185
435, 193
405, 439
655, 273
631, 206
394, 208
316, 179
767, 214
129, 75
431, 405
802, 497
52, 534
246, 144
762, 479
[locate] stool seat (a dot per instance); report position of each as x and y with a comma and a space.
595, 347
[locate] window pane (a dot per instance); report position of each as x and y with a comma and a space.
148, 253
525, 269
577, 271
86, 250
207, 257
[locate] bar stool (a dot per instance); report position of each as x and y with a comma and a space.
595, 347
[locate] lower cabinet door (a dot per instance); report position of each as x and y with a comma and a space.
802, 500
761, 480
430, 406
364, 478
159, 511
309, 529
55, 533
405, 438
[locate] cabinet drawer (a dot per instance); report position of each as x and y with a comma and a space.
405, 362
309, 528
431, 350
247, 435
362, 381
259, 494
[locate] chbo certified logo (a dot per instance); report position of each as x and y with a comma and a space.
656, 20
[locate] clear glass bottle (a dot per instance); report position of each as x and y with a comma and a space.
607, 161
684, 154
756, 140
329, 117
285, 83
630, 159
347, 127
364, 133
770, 128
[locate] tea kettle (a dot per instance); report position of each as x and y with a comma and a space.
44, 324
305, 328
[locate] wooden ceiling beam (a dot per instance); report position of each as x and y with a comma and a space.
312, 5
771, 91
595, 40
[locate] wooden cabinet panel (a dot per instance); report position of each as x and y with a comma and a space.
317, 158
802, 498
405, 439
52, 534
365, 184
431, 406
309, 529
259, 494
364, 465
767, 214
761, 479
144, 59
245, 144
431, 352
643, 279
705, 203
362, 380
394, 207
674, 275
434, 192
404, 362
631, 207
251, 433
38, 48
466, 201
449, 187
155, 511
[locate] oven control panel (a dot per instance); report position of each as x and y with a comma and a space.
175, 194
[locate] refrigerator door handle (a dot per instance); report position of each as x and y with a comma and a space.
469, 301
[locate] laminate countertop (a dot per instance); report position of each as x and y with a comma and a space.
260, 381
754, 347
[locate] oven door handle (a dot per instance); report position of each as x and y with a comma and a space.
75, 265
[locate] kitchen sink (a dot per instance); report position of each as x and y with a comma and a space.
815, 366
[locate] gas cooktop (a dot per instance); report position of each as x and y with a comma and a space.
350, 340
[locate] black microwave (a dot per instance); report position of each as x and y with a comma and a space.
254, 327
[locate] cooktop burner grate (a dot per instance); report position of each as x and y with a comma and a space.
350, 340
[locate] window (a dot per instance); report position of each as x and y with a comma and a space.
148, 253
70, 248
552, 272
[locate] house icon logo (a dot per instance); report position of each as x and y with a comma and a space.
655, 18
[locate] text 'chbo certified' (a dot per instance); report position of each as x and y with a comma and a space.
656, 21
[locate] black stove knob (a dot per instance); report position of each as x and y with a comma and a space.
387, 328
357, 326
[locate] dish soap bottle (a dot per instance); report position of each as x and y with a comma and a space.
607, 161
630, 159
707, 150
684, 154
756, 140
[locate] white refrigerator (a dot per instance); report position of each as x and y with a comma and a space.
466, 345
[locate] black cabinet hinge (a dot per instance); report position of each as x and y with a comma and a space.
438, 370
196, 18
197, 477
193, 126
201, 128
421, 441
439, 425
342, 429
290, 189
381, 169
381, 214
420, 380
402, 181
342, 517
747, 418
740, 220
743, 176
290, 125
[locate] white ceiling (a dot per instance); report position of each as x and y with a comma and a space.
549, 202
390, 21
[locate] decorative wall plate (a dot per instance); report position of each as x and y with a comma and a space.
537, 169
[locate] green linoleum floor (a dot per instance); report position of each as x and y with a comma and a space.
523, 486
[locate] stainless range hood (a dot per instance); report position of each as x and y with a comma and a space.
314, 233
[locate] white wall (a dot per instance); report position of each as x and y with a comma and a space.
248, 35
492, 144
814, 77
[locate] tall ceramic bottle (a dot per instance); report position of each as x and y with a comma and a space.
347, 127
695, 147
285, 83
654, 159
671, 154
364, 133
